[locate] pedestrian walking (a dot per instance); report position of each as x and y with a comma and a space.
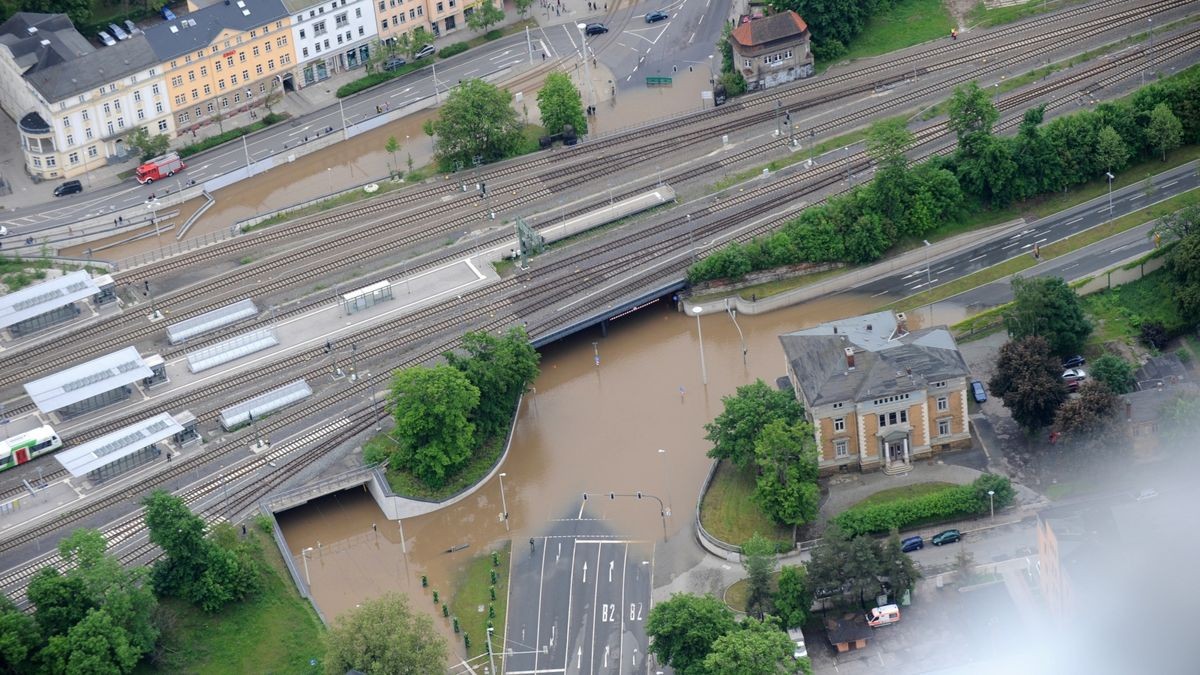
543, 56
531, 547
120, 220
243, 529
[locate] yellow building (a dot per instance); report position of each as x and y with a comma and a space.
438, 17
878, 395
224, 58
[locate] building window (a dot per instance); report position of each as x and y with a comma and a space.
271, 64
154, 89
841, 448
176, 81
943, 427
210, 107
262, 87
221, 84
839, 424
255, 50
66, 122
440, 8
383, 24
943, 403
358, 12
838, 406
162, 125
158, 106
267, 47
70, 140
939, 385
87, 133
258, 69
141, 114
361, 31
285, 59
137, 95
888, 419
107, 109
224, 101
184, 117
73, 158
180, 100
195, 94
203, 71
208, 90
748, 63
242, 57
217, 66
92, 152
191, 76
319, 29
237, 98
37, 161
342, 19
120, 122
302, 35
229, 61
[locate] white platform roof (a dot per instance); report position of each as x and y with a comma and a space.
86, 380
45, 297
85, 458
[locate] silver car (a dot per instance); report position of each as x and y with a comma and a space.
106, 39
118, 32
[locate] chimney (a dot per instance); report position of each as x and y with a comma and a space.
1128, 411
901, 323
849, 358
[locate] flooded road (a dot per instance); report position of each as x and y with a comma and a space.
584, 429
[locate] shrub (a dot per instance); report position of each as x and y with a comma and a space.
1154, 335
453, 49
366, 82
953, 502
232, 134
494, 34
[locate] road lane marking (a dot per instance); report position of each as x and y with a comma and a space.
1073, 220
978, 257
879, 294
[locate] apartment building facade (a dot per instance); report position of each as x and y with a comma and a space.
878, 395
330, 36
439, 17
74, 103
224, 58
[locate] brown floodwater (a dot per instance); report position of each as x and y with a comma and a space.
583, 429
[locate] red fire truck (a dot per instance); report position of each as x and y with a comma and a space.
159, 168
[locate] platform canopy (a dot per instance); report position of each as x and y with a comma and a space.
45, 297
96, 454
86, 380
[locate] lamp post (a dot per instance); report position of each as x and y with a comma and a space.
354, 363
503, 502
691, 238
1110, 180
153, 204
304, 555
666, 485
246, 149
587, 69
992, 502
928, 277
697, 310
733, 315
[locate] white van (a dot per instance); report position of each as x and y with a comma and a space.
799, 651
883, 616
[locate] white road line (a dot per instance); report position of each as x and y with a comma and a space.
621, 609
1070, 266
943, 271
879, 294
1168, 184
470, 72
1041, 240
1073, 220
595, 601
1010, 245
537, 634
570, 600
693, 37
1026, 246
978, 257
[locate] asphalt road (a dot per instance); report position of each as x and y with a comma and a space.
1041, 233
578, 601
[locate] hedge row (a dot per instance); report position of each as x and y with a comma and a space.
225, 137
453, 49
953, 502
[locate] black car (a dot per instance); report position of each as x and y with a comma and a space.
656, 16
68, 188
393, 63
1074, 361
946, 537
595, 29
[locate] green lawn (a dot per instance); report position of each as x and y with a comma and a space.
472, 592
910, 22
735, 595
903, 492
407, 485
276, 632
983, 17
729, 513
1118, 313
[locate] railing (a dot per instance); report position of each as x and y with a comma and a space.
176, 248
187, 224
704, 534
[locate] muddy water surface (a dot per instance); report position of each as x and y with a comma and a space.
585, 429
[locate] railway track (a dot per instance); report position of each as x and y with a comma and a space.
298, 273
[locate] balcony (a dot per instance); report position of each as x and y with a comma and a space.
34, 124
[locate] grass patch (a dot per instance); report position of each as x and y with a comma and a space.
405, 484
472, 591
275, 632
908, 23
983, 17
504, 267
904, 492
729, 513
17, 273
737, 594
1024, 261
1119, 312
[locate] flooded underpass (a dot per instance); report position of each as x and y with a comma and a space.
584, 428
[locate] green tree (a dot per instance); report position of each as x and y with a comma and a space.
683, 629
382, 636
1028, 379
1048, 307
1092, 416
971, 111
1165, 132
392, 147
888, 140
477, 120
501, 368
1179, 224
1115, 372
60, 601
752, 407
1179, 418
485, 16
412, 42
146, 145
432, 408
755, 648
19, 639
522, 7
842, 564
96, 645
1111, 151
793, 599
560, 104
1184, 267
758, 559
786, 489
897, 566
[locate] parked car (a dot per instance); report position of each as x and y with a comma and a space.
68, 188
132, 27
799, 650
106, 39
1074, 377
912, 544
978, 392
657, 15
425, 51
168, 14
394, 63
595, 29
1074, 361
118, 32
945, 537
883, 616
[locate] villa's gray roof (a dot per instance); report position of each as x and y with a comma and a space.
60, 63
886, 360
197, 30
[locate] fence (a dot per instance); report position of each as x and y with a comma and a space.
175, 249
187, 224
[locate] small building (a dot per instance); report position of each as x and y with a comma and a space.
93, 385
847, 633
878, 395
772, 50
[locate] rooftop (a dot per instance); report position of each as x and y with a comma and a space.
198, 29
769, 29
45, 297
888, 359
87, 457
81, 382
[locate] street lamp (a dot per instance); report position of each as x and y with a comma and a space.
666, 486
153, 204
1110, 180
304, 555
503, 502
587, 69
928, 278
992, 502
733, 315
691, 238
697, 310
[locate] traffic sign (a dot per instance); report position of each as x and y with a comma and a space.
657, 81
